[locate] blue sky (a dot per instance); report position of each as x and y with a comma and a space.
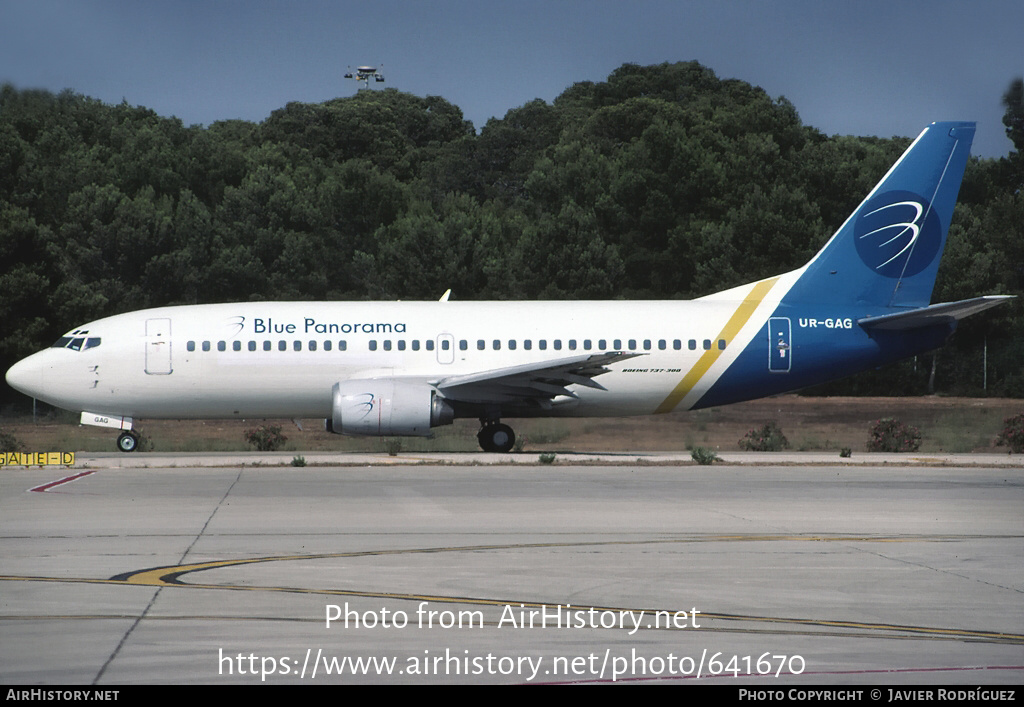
867, 67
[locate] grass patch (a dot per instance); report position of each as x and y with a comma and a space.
814, 444
544, 432
946, 424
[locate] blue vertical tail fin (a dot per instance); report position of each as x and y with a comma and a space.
887, 252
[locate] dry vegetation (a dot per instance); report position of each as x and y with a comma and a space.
946, 424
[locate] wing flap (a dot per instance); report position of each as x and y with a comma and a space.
533, 382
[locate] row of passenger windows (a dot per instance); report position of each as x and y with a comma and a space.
481, 345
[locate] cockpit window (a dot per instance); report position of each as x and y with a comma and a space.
77, 343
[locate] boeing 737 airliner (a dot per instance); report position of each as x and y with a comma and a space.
401, 368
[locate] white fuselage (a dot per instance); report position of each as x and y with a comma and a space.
282, 359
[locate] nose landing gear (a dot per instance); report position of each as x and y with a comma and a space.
127, 442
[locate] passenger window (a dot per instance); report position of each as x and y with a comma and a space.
558, 344
572, 344
312, 345
647, 344
222, 346
267, 345
677, 344
401, 344
415, 344
252, 345
191, 346
497, 345
632, 344
445, 344
721, 344
661, 344
297, 345
586, 344
511, 344
617, 344
543, 344
481, 344
327, 345
387, 344
429, 343
463, 344
373, 344
602, 344
236, 345
282, 345
707, 344
206, 346
527, 344
692, 344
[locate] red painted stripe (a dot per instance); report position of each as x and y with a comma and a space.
58, 482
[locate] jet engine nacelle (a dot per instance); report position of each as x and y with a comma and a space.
387, 406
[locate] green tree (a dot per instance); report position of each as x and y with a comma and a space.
1013, 119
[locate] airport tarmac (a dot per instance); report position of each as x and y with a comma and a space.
103, 460
750, 575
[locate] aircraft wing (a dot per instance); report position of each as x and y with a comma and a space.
934, 314
533, 382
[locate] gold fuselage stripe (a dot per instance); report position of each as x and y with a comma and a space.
732, 327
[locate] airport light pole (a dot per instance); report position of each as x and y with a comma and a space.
365, 73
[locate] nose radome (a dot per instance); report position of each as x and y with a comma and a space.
26, 376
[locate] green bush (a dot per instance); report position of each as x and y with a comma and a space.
266, 438
767, 439
891, 435
547, 458
1013, 433
704, 456
298, 461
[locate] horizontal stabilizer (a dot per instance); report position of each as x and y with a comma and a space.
935, 314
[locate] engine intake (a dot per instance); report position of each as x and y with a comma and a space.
387, 406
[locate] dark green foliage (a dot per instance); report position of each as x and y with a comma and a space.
266, 438
662, 182
891, 435
768, 438
1013, 433
1013, 119
704, 456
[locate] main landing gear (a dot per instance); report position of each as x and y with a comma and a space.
495, 437
127, 442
